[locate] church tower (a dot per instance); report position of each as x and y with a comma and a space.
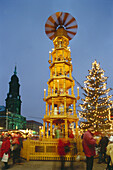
13, 101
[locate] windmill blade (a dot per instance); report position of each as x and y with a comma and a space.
70, 32
69, 37
71, 27
52, 21
51, 37
48, 32
65, 18
58, 15
69, 22
49, 26
59, 21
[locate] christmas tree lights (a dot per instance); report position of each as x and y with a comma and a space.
96, 105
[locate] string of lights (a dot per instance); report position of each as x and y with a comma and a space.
96, 102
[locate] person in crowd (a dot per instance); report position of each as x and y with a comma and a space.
16, 147
73, 149
109, 152
5, 149
63, 149
20, 145
103, 144
89, 147
1, 137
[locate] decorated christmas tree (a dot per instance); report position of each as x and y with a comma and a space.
97, 104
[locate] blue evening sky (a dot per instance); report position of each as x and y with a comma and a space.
23, 43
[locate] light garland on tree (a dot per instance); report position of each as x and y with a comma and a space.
96, 105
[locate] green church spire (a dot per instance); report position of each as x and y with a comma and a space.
15, 73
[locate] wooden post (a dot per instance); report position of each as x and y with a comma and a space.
66, 129
44, 129
52, 106
76, 129
56, 55
74, 108
58, 85
70, 71
49, 109
72, 89
64, 86
28, 149
64, 105
47, 128
55, 69
63, 69
53, 87
51, 129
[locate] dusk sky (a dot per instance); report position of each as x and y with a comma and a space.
23, 43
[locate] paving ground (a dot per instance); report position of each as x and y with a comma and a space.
51, 165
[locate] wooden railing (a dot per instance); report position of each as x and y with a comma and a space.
46, 150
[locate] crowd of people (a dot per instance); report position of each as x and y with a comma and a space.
11, 147
13, 142
105, 149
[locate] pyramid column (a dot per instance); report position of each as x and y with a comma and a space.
52, 106
47, 129
66, 129
51, 129
44, 129
64, 105
74, 108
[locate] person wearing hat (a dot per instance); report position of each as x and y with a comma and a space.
109, 152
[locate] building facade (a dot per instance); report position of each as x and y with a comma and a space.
2, 117
33, 125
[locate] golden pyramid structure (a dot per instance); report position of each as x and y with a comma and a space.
60, 99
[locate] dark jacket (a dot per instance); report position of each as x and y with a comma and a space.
103, 144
